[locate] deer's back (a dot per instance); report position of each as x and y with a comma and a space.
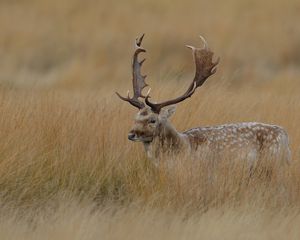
253, 137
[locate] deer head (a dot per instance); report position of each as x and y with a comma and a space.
152, 120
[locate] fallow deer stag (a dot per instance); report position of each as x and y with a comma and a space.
153, 129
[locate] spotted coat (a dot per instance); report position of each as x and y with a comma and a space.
251, 138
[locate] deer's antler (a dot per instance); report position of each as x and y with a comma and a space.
138, 80
205, 67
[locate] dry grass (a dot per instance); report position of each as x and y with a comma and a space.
81, 221
67, 170
63, 151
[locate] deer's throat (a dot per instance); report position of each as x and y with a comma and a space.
167, 137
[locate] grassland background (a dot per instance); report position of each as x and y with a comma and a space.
67, 170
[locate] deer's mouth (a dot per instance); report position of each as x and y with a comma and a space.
145, 139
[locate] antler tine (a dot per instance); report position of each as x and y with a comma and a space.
138, 40
205, 67
138, 80
205, 44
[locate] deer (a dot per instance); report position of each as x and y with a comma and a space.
152, 126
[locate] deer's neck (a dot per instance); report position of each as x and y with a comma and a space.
167, 140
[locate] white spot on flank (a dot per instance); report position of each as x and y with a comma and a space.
269, 137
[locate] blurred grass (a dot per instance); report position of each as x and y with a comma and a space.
79, 44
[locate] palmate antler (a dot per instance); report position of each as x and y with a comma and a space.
205, 67
138, 80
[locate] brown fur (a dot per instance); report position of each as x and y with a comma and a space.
152, 127
246, 140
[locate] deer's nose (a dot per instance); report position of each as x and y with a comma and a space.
131, 136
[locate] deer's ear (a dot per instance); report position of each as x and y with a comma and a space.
168, 111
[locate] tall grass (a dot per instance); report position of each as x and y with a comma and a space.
63, 151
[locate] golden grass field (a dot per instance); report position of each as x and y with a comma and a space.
67, 170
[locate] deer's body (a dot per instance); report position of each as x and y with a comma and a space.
251, 139
152, 126
248, 140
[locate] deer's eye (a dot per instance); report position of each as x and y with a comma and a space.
152, 121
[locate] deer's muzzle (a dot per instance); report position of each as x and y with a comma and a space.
132, 136
139, 137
